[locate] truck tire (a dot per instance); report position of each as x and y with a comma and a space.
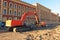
10, 29
14, 30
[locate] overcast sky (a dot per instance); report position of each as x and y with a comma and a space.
54, 5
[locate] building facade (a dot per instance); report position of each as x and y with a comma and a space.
54, 17
59, 19
14, 9
43, 12
46, 15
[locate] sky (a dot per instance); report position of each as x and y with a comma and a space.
54, 5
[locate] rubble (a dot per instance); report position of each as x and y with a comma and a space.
47, 34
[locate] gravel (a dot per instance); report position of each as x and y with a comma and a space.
46, 34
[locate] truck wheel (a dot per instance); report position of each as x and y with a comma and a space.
14, 30
10, 29
41, 25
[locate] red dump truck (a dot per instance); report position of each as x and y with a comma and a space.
12, 24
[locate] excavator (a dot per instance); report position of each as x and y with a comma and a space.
12, 24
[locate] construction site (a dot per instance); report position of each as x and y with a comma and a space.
23, 21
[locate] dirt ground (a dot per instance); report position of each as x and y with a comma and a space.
44, 34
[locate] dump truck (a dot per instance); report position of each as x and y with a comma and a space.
13, 24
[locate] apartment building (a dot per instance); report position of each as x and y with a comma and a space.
54, 17
59, 19
14, 9
44, 13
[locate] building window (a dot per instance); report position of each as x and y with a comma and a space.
22, 9
15, 18
10, 18
18, 13
30, 9
27, 9
14, 13
5, 11
5, 3
15, 6
10, 11
19, 7
10, 4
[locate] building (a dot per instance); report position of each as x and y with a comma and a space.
13, 9
54, 17
44, 13
59, 19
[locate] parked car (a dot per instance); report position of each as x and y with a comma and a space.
2, 24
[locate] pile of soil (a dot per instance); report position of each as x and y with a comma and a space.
46, 34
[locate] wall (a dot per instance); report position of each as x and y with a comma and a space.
24, 7
43, 13
54, 18
59, 19
1, 8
